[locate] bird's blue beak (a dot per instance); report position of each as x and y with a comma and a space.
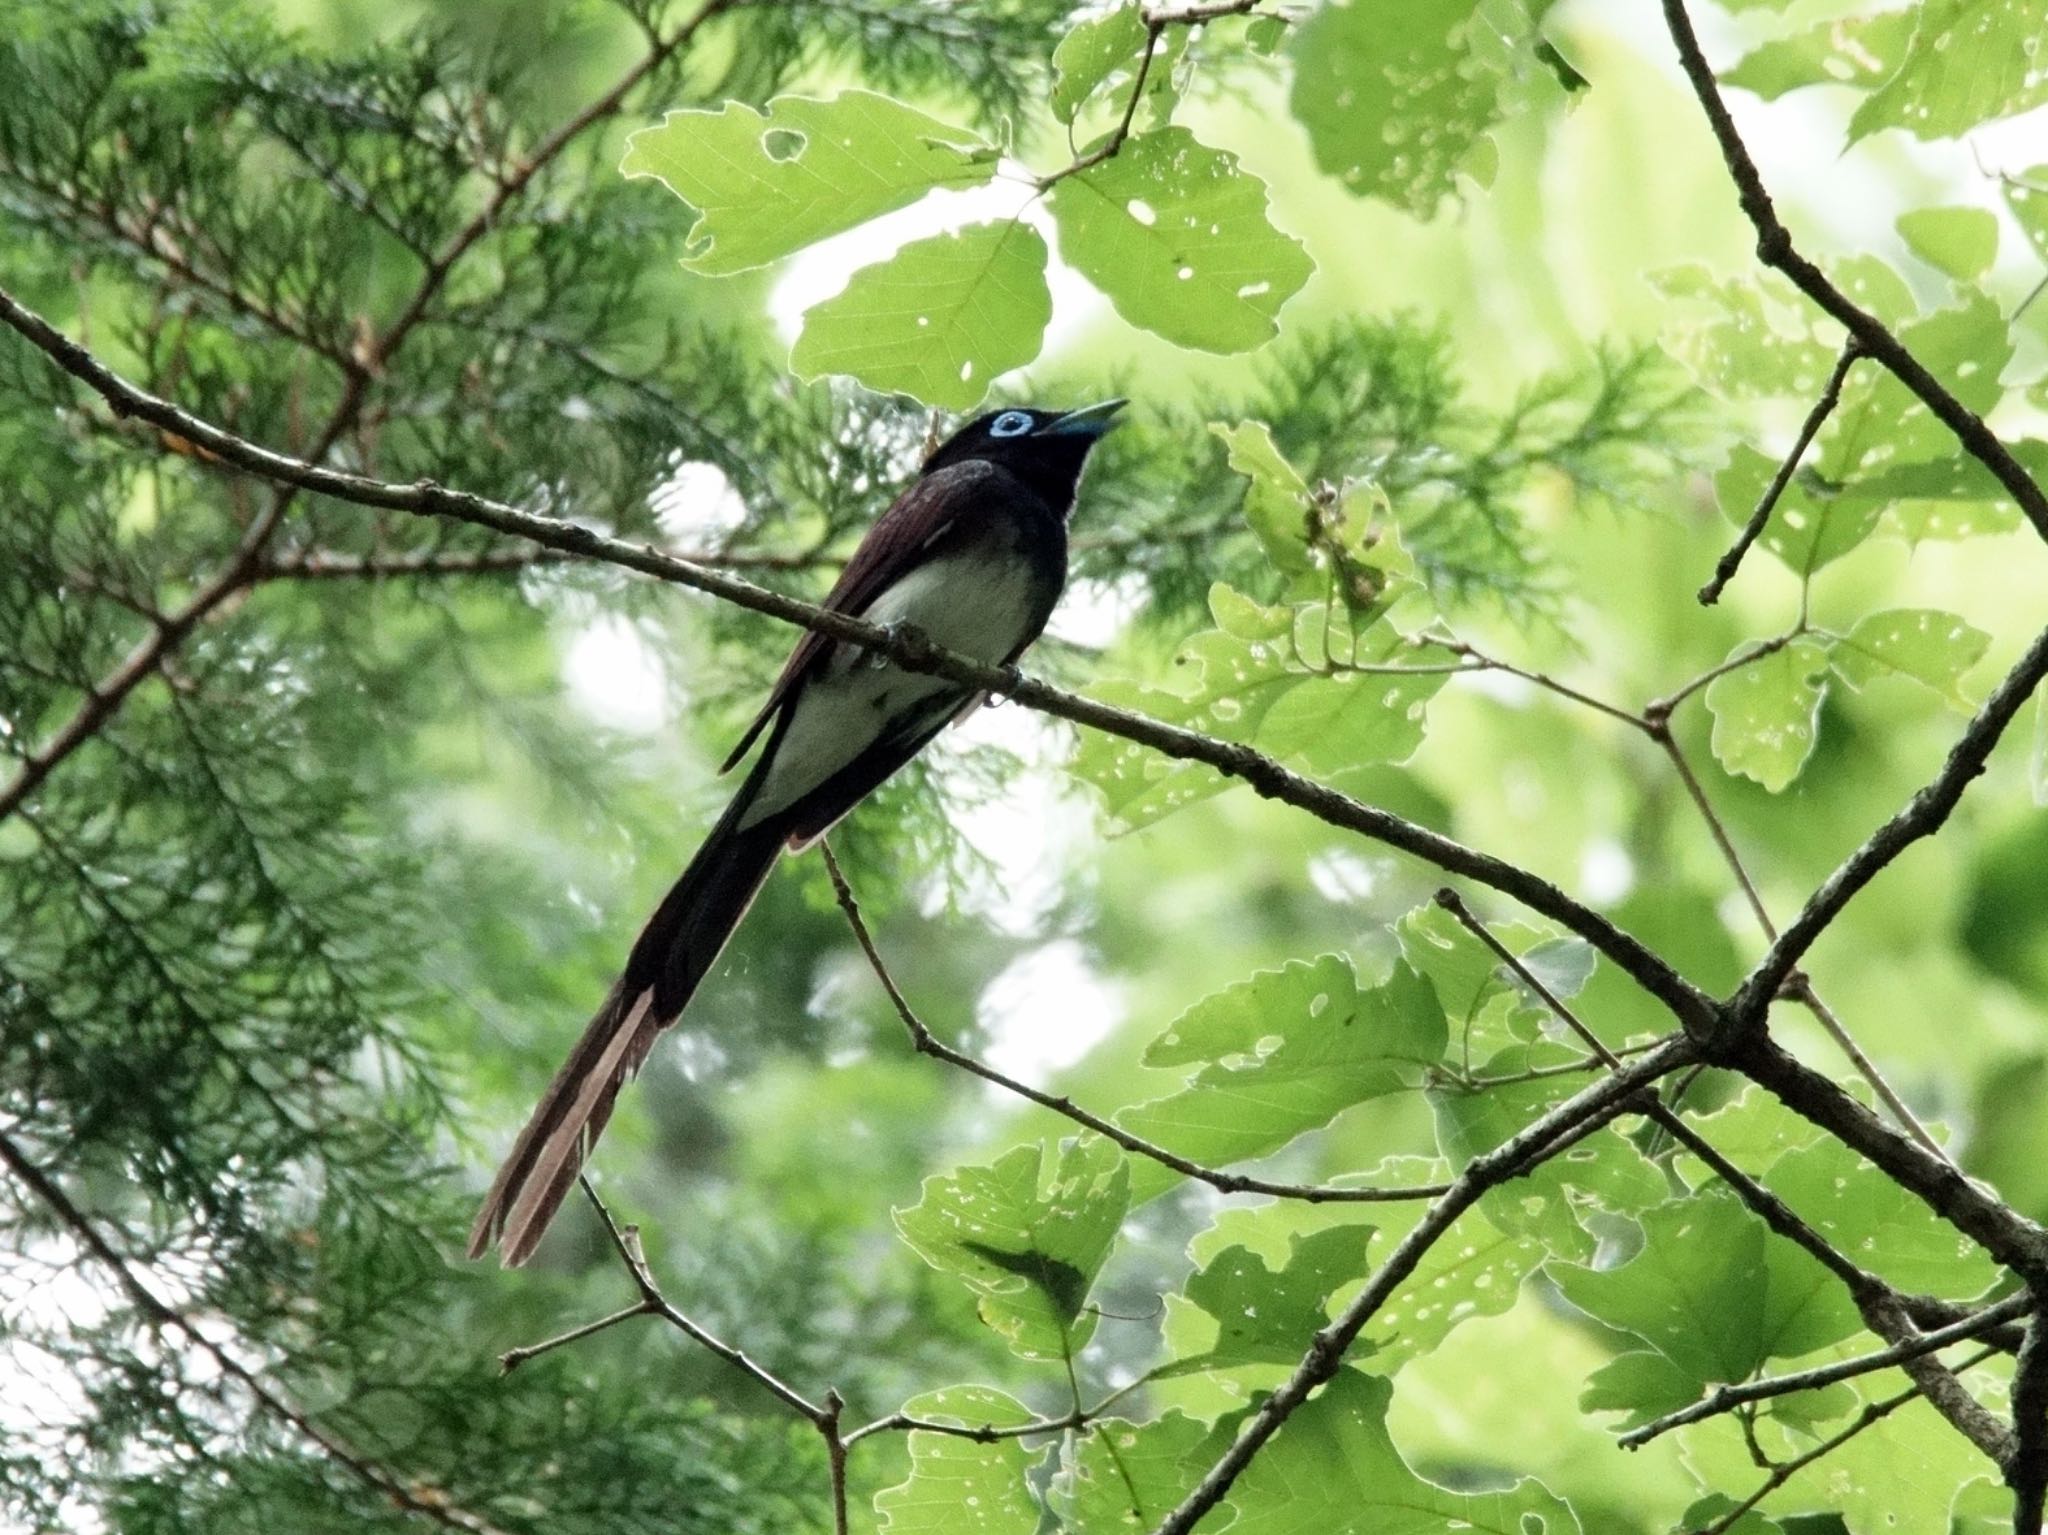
1088, 421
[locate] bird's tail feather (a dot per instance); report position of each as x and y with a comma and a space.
673, 954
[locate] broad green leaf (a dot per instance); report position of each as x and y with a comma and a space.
1696, 1292
1809, 528
1124, 1478
1603, 1171
939, 320
1394, 100
961, 1486
1930, 647
1963, 242
1091, 53
1267, 1316
1852, 50
1877, 1223
1881, 423
1284, 1053
1969, 62
1719, 1505
1765, 713
1641, 1384
1952, 497
2027, 195
1489, 1007
766, 185
1276, 498
1747, 339
1475, 1271
1806, 1307
1334, 1470
1028, 1239
1237, 677
1178, 238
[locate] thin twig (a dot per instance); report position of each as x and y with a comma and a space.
1830, 397
1875, 1413
1728, 1398
928, 1043
161, 1315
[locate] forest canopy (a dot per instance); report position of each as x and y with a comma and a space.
1489, 973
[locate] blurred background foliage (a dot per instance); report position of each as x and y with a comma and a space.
287, 949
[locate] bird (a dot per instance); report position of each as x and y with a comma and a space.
973, 556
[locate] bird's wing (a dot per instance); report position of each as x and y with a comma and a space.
896, 545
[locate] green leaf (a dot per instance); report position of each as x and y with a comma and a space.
960, 1486
1969, 62
1392, 98
1963, 242
1641, 1384
1695, 1292
939, 320
1276, 500
1125, 1478
1765, 712
1881, 423
1091, 53
766, 185
1930, 647
1475, 1271
1283, 1053
1809, 528
1177, 236
1745, 339
1852, 50
1334, 1470
2027, 195
1029, 1241
1267, 1316
1879, 1224
1238, 683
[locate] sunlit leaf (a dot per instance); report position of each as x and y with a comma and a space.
1125, 1478
1642, 1384
1178, 238
939, 320
1283, 1053
1969, 62
1335, 1471
1881, 1225
1962, 242
1765, 713
1091, 53
2026, 193
1851, 50
1267, 1316
1027, 1238
960, 1486
767, 184
1930, 647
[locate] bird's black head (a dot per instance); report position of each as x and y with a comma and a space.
1043, 448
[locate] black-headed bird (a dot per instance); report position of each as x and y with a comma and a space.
973, 556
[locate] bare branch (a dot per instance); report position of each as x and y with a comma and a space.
1728, 1398
928, 1043
1775, 249
2026, 1472
1824, 407
908, 649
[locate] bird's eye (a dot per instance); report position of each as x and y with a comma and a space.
1011, 423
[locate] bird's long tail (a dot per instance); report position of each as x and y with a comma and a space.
673, 954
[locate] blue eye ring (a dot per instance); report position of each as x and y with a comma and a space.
1011, 423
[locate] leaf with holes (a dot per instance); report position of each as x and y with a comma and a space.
1178, 238
1851, 1203
1746, 339
1932, 648
1281, 1054
1335, 1470
1095, 50
1858, 51
2027, 195
767, 185
1963, 242
939, 320
1765, 712
1969, 62
1394, 99
1028, 1239
1240, 681
1124, 1478
1810, 527
1264, 1315
957, 1484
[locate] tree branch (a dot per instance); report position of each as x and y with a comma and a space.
1869, 334
1694, 1009
1824, 407
2026, 1473
1728, 1398
1553, 1133
928, 1043
161, 1316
